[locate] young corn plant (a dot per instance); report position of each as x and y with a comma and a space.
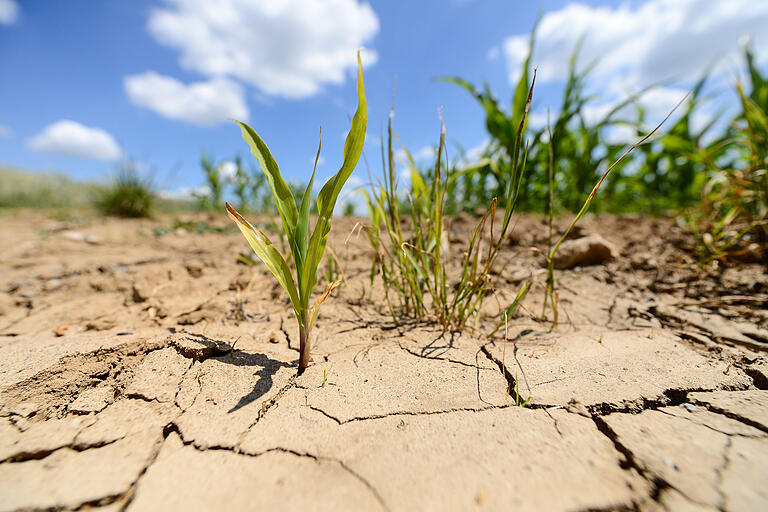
307, 249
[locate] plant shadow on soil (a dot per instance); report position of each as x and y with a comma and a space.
238, 357
268, 369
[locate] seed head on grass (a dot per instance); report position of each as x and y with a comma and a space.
307, 249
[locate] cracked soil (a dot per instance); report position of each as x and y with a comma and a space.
143, 372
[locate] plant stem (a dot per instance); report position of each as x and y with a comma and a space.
303, 349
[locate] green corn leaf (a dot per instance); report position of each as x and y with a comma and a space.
286, 204
302, 225
326, 199
521, 90
267, 252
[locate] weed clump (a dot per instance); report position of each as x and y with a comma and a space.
129, 196
413, 263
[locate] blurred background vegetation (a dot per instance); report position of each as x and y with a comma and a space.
712, 175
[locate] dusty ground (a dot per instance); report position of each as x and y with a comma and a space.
139, 372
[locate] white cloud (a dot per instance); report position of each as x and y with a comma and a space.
425, 153
227, 169
186, 193
657, 40
9, 12
350, 194
5, 131
474, 153
287, 48
201, 103
69, 138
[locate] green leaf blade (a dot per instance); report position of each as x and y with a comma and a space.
286, 204
326, 199
267, 253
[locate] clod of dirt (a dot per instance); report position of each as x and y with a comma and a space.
158, 376
92, 400
197, 346
101, 324
276, 336
77, 236
589, 250
194, 269
61, 330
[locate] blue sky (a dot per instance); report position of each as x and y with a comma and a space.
85, 83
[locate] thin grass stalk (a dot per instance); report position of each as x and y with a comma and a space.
588, 202
550, 283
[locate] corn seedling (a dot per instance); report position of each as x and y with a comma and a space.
307, 249
214, 184
242, 182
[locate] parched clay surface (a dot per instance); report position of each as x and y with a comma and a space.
142, 372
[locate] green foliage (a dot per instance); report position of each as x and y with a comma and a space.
730, 223
215, 183
662, 175
242, 185
307, 249
129, 196
22, 189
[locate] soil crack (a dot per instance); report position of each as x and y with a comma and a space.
406, 413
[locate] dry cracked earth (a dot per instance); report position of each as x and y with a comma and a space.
152, 371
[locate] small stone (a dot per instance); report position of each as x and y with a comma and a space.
669, 462
197, 346
194, 269
689, 407
589, 250
576, 407
75, 236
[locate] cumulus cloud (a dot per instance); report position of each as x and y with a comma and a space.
9, 12
228, 169
288, 48
70, 138
646, 43
201, 103
185, 193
